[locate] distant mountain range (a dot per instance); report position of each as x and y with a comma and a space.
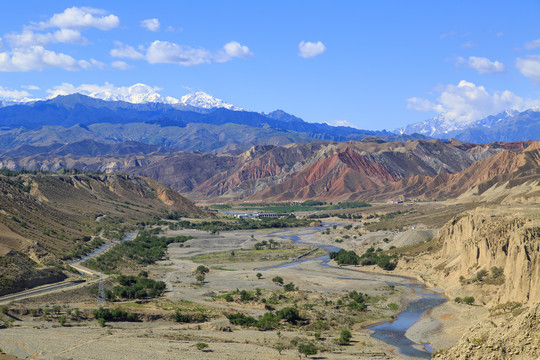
317, 170
509, 125
78, 117
142, 94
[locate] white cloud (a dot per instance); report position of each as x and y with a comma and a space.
468, 44
164, 52
151, 24
39, 58
81, 18
172, 29
30, 87
12, 94
125, 51
530, 67
309, 49
29, 38
121, 65
466, 102
421, 104
482, 65
532, 44
234, 49
93, 63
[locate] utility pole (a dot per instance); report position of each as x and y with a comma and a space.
101, 292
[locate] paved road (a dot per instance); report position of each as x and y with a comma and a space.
39, 290
75, 264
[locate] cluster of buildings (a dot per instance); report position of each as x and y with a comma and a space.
256, 215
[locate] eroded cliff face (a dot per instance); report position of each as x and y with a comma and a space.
481, 241
509, 336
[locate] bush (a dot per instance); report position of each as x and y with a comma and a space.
289, 287
201, 346
114, 315
307, 349
241, 319
481, 274
344, 337
259, 276
278, 280
201, 269
268, 321
187, 318
245, 296
289, 314
133, 287
469, 300
458, 300
343, 257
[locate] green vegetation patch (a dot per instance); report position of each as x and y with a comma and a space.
216, 226
134, 287
143, 250
384, 261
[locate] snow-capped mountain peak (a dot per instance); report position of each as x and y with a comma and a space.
136, 94
203, 100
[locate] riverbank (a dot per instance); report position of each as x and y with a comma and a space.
319, 289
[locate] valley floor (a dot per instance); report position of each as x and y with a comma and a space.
44, 338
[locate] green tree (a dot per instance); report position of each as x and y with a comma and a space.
344, 337
307, 349
259, 276
200, 278
289, 287
278, 280
469, 300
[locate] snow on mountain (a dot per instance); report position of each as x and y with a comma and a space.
440, 126
141, 93
136, 94
203, 100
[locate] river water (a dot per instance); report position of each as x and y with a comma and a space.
392, 333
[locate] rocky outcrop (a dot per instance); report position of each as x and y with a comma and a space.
479, 241
509, 337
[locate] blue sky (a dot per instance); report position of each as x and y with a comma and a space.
372, 64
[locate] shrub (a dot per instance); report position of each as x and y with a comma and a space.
201, 346
458, 300
241, 319
259, 276
200, 278
307, 349
469, 300
343, 257
245, 296
289, 314
481, 274
268, 321
344, 337
187, 318
289, 287
278, 280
